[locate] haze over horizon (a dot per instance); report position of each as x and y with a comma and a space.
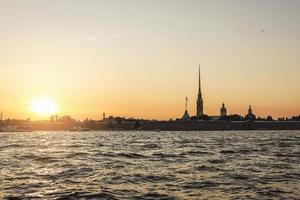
140, 58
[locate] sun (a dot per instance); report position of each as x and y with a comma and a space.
43, 106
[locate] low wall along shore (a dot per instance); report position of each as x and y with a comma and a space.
206, 125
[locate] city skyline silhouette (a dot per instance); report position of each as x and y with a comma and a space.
149, 99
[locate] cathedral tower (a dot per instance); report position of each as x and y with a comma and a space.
199, 99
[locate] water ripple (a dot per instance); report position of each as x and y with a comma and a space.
150, 165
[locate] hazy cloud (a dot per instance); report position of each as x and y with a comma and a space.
102, 36
90, 37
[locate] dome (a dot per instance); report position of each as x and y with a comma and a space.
186, 116
250, 116
223, 110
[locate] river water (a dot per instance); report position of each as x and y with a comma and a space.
150, 165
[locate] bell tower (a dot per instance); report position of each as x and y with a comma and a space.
199, 99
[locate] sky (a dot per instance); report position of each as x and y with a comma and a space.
138, 58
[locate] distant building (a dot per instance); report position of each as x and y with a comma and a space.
65, 119
223, 111
53, 118
186, 116
199, 112
250, 116
214, 117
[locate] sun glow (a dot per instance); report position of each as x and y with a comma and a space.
43, 106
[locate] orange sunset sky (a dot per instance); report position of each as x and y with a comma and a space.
138, 58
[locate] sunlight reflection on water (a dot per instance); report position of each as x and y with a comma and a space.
150, 165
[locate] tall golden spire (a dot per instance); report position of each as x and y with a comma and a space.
199, 99
199, 80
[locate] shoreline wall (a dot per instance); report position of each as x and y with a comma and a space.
219, 125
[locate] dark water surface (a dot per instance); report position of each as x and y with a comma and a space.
150, 165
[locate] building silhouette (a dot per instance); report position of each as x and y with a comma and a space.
186, 116
199, 112
250, 116
223, 111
